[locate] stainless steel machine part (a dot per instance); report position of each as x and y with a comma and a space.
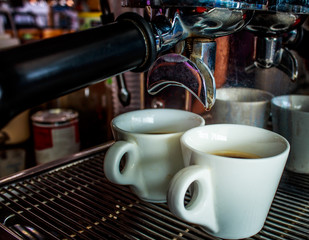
270, 29
203, 26
269, 52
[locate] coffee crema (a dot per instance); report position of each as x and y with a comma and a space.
235, 154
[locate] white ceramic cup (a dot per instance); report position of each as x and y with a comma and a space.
290, 118
150, 141
231, 196
241, 106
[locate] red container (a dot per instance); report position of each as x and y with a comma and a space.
55, 134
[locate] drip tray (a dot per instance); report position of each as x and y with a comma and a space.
72, 199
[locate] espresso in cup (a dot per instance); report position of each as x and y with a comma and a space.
149, 140
232, 172
235, 154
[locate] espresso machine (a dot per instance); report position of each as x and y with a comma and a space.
172, 36
175, 45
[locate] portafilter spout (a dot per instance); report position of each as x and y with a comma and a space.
192, 74
194, 29
270, 51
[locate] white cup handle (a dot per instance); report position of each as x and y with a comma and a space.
200, 210
113, 159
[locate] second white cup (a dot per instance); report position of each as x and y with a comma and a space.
233, 171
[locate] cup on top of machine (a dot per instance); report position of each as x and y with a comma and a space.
147, 151
238, 105
232, 172
290, 118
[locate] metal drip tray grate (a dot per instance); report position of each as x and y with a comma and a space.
75, 201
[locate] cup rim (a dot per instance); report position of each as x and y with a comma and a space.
282, 139
201, 120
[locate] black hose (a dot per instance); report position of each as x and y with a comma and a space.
38, 72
